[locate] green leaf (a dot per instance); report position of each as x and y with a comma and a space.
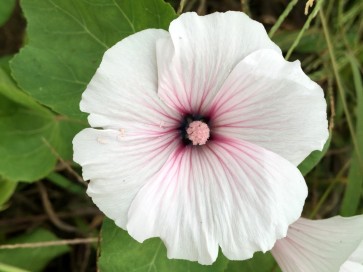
32, 259
314, 158
7, 189
4, 63
353, 192
23, 154
9, 89
65, 183
121, 253
6, 8
311, 42
30, 135
261, 262
9, 268
63, 53
30, 139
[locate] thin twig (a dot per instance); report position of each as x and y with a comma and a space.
42, 217
304, 28
202, 9
181, 6
245, 7
98, 251
50, 211
282, 17
332, 105
76, 241
66, 165
327, 192
85, 259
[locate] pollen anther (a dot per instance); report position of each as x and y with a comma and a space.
198, 132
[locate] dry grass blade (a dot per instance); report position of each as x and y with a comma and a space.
52, 243
354, 188
339, 83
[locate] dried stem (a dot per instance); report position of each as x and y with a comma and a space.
66, 165
76, 241
340, 85
42, 217
202, 9
245, 7
50, 211
181, 6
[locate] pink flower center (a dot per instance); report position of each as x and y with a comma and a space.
198, 132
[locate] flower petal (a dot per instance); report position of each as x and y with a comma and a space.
272, 103
350, 266
357, 255
355, 261
318, 245
201, 53
123, 92
227, 192
118, 166
140, 129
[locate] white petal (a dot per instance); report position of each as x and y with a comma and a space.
227, 192
118, 166
123, 92
350, 266
201, 53
272, 103
318, 245
355, 262
357, 255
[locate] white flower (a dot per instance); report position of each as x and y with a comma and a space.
355, 261
202, 129
321, 245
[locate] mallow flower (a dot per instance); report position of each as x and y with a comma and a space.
196, 136
355, 260
328, 245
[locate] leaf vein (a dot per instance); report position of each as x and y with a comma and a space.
125, 16
83, 25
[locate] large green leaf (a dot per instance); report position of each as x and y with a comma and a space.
10, 268
259, 263
7, 188
121, 253
32, 259
6, 7
9, 89
31, 137
67, 39
314, 158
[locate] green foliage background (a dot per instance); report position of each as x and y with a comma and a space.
40, 90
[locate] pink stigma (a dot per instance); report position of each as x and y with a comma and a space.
198, 132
